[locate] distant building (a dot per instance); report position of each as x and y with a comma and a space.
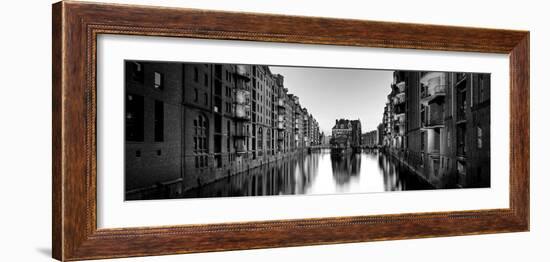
346, 134
325, 141
356, 134
370, 139
341, 133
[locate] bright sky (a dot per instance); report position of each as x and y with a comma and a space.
331, 93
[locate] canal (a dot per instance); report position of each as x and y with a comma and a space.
317, 173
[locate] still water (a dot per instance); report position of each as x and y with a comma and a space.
317, 173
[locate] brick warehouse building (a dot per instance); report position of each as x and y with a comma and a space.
438, 124
347, 134
189, 124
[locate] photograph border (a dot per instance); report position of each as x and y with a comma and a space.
75, 28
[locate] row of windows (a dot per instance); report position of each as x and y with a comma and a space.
138, 75
135, 115
196, 97
259, 97
159, 83
228, 76
227, 91
196, 76
200, 141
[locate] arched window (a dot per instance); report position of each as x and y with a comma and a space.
200, 141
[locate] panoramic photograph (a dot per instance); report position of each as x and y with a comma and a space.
202, 130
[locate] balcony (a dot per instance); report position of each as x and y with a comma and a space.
432, 93
280, 135
396, 130
399, 120
399, 110
240, 147
434, 119
242, 112
433, 123
242, 71
433, 86
281, 103
242, 96
401, 86
281, 125
399, 99
401, 132
242, 85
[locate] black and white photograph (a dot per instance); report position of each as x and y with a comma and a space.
201, 130
207, 131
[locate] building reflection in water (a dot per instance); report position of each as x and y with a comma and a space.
397, 177
317, 173
345, 167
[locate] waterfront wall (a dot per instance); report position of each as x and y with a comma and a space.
204, 178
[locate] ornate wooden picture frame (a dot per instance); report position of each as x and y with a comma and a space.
76, 26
